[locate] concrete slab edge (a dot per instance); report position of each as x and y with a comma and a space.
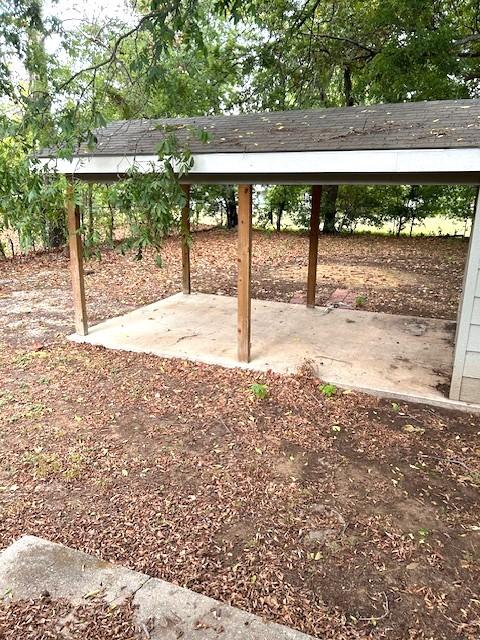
441, 403
30, 566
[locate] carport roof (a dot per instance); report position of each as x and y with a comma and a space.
408, 143
444, 124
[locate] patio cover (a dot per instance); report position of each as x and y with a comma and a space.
421, 142
410, 143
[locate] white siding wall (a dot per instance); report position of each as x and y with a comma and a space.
466, 369
470, 387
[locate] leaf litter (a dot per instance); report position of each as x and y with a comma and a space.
155, 463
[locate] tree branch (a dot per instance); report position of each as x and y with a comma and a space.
473, 37
113, 53
359, 45
306, 14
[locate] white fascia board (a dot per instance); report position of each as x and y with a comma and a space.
101, 164
288, 162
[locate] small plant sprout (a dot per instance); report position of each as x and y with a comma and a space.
260, 391
360, 301
423, 533
336, 428
395, 407
328, 390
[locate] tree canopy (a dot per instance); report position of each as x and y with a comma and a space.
61, 78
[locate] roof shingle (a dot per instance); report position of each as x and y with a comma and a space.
414, 125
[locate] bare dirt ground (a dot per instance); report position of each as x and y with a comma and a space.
411, 276
345, 517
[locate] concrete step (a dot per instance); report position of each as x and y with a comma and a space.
31, 566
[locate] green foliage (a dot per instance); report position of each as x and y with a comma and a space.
177, 60
284, 199
258, 390
360, 301
401, 207
31, 202
153, 201
17, 19
190, 57
43, 464
328, 390
314, 53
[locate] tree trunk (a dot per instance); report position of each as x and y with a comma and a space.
329, 207
110, 224
231, 207
330, 192
347, 87
279, 216
412, 224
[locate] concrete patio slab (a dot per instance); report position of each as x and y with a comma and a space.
401, 357
31, 566
180, 610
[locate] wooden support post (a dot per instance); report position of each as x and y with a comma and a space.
313, 245
244, 270
76, 263
186, 241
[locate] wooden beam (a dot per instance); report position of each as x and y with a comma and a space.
76, 262
244, 270
313, 245
186, 286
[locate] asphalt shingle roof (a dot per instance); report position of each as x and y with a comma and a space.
414, 125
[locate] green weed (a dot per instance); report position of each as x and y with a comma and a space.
44, 464
328, 390
31, 410
260, 391
24, 359
423, 533
76, 463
